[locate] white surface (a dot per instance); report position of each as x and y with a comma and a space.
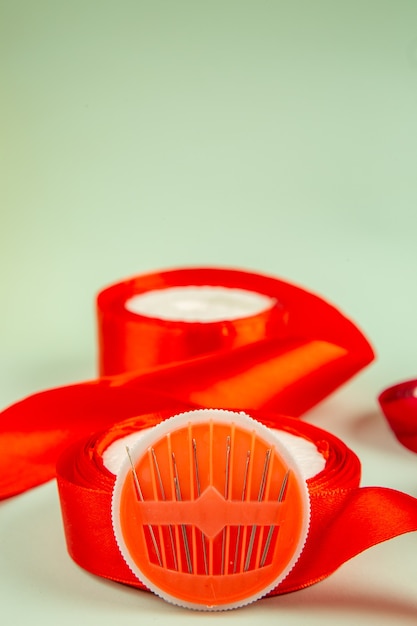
277, 136
199, 304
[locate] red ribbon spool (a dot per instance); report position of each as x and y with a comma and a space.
284, 359
345, 518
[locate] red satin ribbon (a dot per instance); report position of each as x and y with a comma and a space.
283, 360
345, 519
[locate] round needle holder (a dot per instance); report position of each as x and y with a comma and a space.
210, 510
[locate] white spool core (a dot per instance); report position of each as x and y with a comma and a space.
309, 460
199, 303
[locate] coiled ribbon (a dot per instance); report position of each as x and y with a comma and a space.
280, 361
345, 518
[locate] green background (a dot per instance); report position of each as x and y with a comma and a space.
274, 136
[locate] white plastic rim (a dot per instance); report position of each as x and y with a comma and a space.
177, 422
202, 304
309, 460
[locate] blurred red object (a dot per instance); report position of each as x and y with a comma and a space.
399, 405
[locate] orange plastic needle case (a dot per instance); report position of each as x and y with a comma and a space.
399, 405
209, 510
